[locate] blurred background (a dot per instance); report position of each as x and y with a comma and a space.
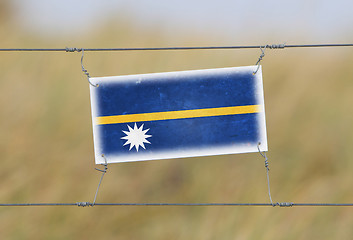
46, 138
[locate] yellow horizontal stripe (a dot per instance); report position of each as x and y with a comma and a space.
195, 113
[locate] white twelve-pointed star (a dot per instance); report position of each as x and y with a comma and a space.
136, 137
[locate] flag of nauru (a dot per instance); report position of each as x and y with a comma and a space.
178, 114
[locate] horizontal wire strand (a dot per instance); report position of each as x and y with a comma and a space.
273, 46
87, 204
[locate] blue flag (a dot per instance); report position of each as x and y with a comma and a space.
178, 114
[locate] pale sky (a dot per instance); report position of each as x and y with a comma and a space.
316, 21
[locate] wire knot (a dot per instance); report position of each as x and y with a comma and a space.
263, 154
263, 48
260, 59
67, 49
84, 204
267, 164
283, 204
276, 46
103, 170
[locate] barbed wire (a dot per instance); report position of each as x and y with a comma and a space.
269, 46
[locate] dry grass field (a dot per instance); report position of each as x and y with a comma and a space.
46, 146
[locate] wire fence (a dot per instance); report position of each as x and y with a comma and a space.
262, 47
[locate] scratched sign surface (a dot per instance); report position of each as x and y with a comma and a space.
178, 114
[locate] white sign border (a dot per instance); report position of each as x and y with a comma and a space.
234, 149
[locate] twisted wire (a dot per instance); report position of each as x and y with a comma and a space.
103, 173
263, 154
82, 67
